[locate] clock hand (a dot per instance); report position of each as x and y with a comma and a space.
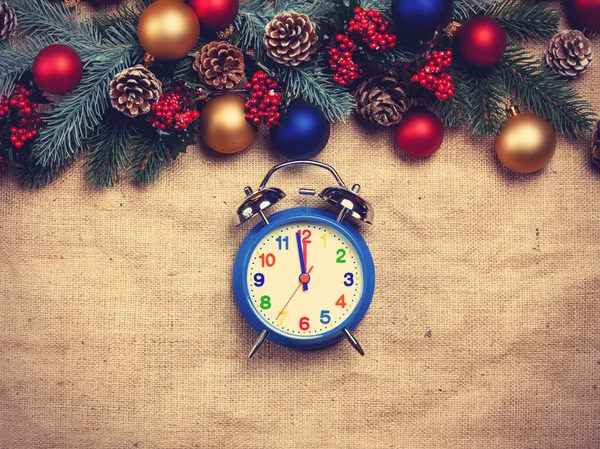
304, 278
293, 294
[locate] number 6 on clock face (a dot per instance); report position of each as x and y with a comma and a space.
304, 277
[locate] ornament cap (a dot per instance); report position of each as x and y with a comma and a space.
512, 110
452, 28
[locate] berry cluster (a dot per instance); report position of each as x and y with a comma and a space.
433, 76
346, 70
368, 26
371, 27
264, 104
28, 119
171, 111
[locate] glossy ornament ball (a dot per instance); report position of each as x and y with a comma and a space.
584, 13
482, 41
216, 14
420, 133
419, 18
57, 69
526, 143
168, 29
303, 132
223, 124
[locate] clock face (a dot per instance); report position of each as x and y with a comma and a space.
305, 279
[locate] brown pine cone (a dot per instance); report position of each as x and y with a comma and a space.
220, 64
134, 91
290, 38
381, 100
569, 53
596, 144
8, 21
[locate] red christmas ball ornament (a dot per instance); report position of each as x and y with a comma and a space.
482, 41
584, 13
57, 69
215, 14
420, 133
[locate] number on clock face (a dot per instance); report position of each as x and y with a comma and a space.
333, 275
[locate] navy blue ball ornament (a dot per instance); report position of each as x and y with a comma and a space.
419, 18
303, 133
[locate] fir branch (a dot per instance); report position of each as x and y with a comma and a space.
463, 9
149, 156
525, 20
455, 111
309, 82
56, 22
108, 150
250, 26
544, 93
486, 102
77, 115
16, 58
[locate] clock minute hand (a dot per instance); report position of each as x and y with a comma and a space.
304, 277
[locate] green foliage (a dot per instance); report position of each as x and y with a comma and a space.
109, 150
309, 82
539, 90
487, 104
149, 157
525, 20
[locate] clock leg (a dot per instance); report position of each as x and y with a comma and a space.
353, 341
259, 341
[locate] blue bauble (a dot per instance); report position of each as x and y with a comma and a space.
419, 18
303, 133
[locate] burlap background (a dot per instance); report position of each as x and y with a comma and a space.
118, 328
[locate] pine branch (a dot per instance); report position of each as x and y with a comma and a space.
544, 93
463, 9
109, 150
250, 26
525, 20
455, 111
309, 82
149, 156
56, 22
16, 58
486, 103
77, 115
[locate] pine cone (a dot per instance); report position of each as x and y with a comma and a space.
596, 144
134, 91
569, 53
220, 65
290, 38
8, 21
381, 100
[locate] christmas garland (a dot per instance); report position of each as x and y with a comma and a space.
132, 102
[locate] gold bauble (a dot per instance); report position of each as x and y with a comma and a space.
526, 142
168, 29
224, 126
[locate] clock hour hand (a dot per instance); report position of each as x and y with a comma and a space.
304, 276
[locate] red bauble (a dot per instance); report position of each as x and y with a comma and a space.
584, 13
215, 14
482, 41
420, 133
57, 69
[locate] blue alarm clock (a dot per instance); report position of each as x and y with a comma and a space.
304, 277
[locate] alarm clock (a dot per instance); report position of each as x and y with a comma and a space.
304, 277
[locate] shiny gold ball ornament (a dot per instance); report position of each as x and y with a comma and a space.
223, 124
168, 29
526, 142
